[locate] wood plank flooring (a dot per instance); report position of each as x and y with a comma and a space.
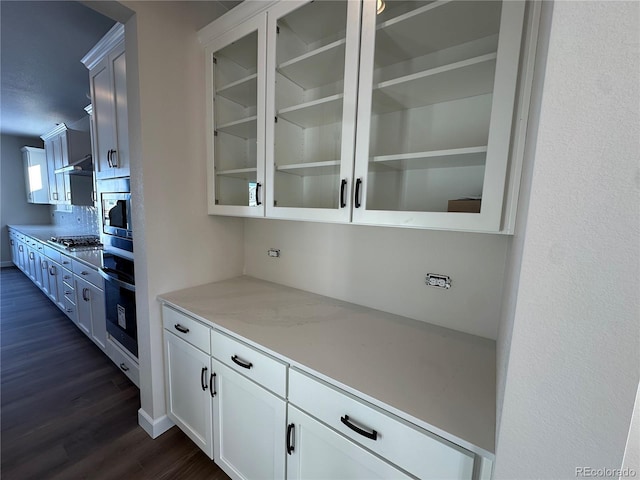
67, 412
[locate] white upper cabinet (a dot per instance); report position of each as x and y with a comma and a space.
110, 127
437, 96
236, 119
396, 114
311, 109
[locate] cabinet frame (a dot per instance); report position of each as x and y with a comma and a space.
256, 24
348, 130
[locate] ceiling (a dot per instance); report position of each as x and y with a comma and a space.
42, 81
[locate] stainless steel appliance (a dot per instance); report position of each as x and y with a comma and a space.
120, 300
75, 243
117, 227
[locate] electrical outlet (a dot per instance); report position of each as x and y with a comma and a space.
438, 280
273, 252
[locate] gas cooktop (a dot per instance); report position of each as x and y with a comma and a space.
77, 242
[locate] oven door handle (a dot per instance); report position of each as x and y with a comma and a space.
110, 278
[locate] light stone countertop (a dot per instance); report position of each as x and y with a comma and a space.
92, 258
434, 377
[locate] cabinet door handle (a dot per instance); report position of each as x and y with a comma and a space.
357, 195
212, 385
20, 248
203, 378
239, 362
180, 328
52, 270
109, 159
44, 265
55, 195
31, 256
85, 296
114, 158
343, 188
291, 438
258, 202
68, 195
124, 368
373, 435
12, 243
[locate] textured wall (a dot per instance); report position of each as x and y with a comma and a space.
573, 366
384, 268
14, 208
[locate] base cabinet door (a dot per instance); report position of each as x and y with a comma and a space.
316, 451
188, 396
249, 426
91, 311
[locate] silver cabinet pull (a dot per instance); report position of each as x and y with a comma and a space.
124, 368
85, 294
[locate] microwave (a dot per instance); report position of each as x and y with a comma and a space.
117, 226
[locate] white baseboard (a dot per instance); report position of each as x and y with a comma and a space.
154, 428
6, 264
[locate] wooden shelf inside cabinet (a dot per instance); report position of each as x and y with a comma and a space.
435, 26
319, 67
245, 128
243, 91
330, 167
315, 113
466, 78
243, 173
456, 157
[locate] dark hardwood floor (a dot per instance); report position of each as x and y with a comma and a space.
67, 412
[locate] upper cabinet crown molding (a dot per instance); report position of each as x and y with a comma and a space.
112, 38
60, 128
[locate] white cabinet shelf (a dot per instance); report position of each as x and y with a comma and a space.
243, 173
329, 167
434, 27
242, 52
243, 128
315, 113
316, 68
456, 157
466, 78
243, 91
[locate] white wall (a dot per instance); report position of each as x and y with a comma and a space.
573, 365
14, 208
384, 268
177, 244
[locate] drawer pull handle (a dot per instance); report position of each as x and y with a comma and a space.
124, 368
373, 435
212, 385
83, 272
291, 438
203, 376
180, 328
239, 362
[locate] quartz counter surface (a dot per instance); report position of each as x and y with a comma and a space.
92, 258
439, 379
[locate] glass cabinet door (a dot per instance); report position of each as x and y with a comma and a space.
236, 120
311, 108
436, 99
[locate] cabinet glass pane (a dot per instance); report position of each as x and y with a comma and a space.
309, 91
434, 68
235, 109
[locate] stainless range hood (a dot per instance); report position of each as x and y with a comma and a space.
84, 166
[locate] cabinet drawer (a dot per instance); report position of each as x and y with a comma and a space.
91, 275
258, 366
187, 328
65, 262
128, 366
70, 309
69, 292
417, 451
53, 254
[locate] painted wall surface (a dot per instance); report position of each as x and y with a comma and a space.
384, 268
177, 244
514, 256
574, 360
14, 208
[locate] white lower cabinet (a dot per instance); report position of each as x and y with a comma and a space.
91, 311
188, 395
315, 451
249, 426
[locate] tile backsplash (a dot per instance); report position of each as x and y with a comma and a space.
85, 219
